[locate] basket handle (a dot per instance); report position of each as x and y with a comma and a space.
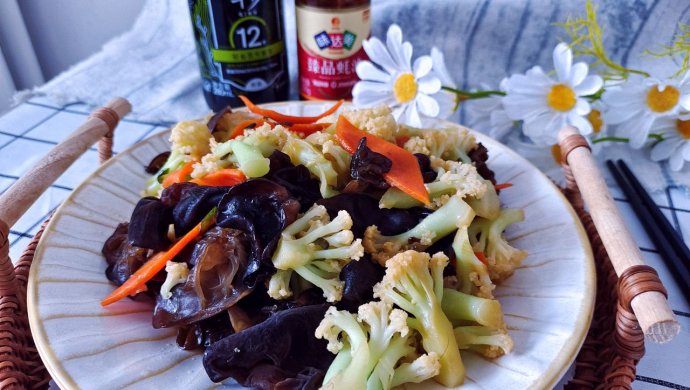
25, 191
645, 298
18, 198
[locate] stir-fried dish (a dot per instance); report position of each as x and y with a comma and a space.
342, 251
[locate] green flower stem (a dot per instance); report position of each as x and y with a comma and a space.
654, 136
610, 139
467, 95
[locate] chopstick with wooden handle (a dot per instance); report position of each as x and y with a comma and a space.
651, 308
19, 197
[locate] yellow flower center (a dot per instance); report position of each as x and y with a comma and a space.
556, 153
683, 128
561, 98
405, 88
664, 100
594, 117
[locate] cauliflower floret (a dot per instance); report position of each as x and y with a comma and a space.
319, 138
472, 273
414, 282
376, 120
176, 273
333, 152
303, 152
316, 249
461, 177
190, 141
487, 237
448, 144
190, 138
488, 342
263, 140
211, 162
454, 178
453, 214
369, 348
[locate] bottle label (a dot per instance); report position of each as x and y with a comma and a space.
240, 46
329, 44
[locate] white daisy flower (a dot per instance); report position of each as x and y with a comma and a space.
675, 147
546, 105
390, 79
638, 102
447, 101
488, 114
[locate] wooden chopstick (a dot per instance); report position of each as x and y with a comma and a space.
673, 236
670, 245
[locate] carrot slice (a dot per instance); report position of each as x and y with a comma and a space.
304, 129
282, 118
137, 282
244, 125
179, 175
404, 174
503, 186
222, 178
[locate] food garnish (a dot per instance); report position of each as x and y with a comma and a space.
404, 173
137, 282
291, 119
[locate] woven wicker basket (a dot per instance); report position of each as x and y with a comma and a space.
614, 344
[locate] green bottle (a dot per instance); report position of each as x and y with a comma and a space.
241, 50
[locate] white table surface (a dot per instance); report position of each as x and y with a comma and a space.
28, 131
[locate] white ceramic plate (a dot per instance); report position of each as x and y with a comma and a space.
547, 302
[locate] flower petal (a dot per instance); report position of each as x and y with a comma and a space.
379, 55
623, 97
533, 84
615, 116
407, 55
422, 66
637, 129
686, 150
685, 102
366, 86
484, 106
411, 116
663, 150
519, 107
543, 128
582, 124
501, 124
581, 107
562, 61
429, 84
367, 94
589, 85
440, 69
578, 73
427, 105
676, 161
446, 103
397, 112
395, 46
368, 71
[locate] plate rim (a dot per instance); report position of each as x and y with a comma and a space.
554, 372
